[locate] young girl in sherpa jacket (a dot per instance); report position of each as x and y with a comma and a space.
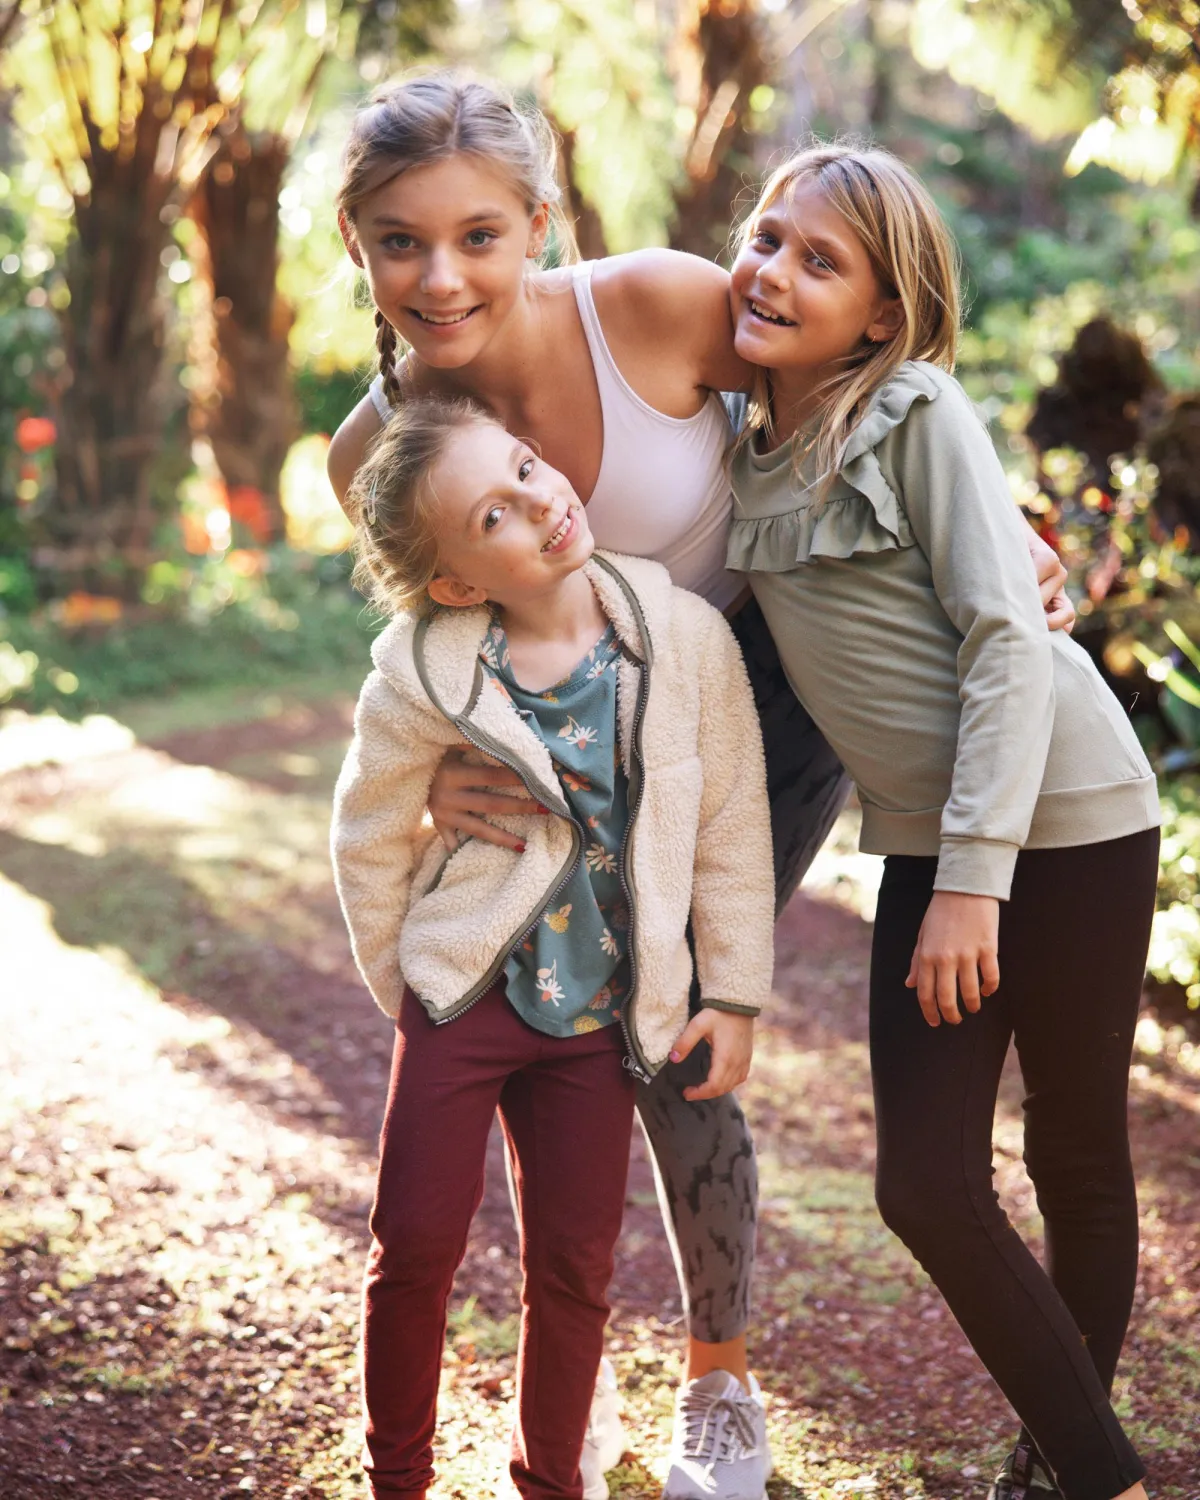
996, 772
547, 978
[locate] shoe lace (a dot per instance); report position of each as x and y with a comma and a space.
717, 1429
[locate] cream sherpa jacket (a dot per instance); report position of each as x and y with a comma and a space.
698, 841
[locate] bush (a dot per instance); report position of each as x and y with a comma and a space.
246, 618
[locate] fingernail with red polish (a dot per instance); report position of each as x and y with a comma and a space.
520, 848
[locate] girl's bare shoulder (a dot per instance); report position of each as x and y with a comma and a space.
652, 299
660, 285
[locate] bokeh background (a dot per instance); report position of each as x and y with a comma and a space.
194, 1074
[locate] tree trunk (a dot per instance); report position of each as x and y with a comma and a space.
243, 401
113, 406
726, 40
589, 231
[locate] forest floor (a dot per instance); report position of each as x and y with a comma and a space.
193, 1084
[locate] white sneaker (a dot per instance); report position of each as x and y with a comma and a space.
605, 1440
719, 1449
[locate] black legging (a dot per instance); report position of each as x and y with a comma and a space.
1073, 940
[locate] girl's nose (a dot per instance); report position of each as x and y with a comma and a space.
775, 273
439, 276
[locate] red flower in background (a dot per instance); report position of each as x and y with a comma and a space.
248, 507
34, 433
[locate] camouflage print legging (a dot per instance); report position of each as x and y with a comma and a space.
703, 1153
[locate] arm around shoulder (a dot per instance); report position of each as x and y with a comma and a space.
733, 883
669, 298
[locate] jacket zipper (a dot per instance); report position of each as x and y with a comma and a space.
481, 988
634, 1061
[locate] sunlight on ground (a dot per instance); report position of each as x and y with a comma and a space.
46, 739
162, 921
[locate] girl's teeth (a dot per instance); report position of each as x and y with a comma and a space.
559, 534
430, 318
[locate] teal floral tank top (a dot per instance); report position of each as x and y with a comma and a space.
570, 974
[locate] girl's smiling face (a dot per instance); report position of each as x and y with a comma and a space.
509, 526
805, 294
444, 248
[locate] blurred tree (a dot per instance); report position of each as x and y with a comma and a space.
598, 71
723, 59
120, 98
242, 397
1124, 79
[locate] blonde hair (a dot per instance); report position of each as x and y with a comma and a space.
913, 255
392, 504
430, 117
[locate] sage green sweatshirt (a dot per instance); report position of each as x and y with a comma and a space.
907, 617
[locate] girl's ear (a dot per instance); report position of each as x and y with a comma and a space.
889, 320
349, 239
454, 593
539, 228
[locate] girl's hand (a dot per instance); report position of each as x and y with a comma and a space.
955, 947
1052, 580
460, 797
731, 1038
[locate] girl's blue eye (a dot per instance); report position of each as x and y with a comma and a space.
399, 242
492, 519
525, 470
821, 262
478, 238
764, 237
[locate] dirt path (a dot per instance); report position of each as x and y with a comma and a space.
193, 1085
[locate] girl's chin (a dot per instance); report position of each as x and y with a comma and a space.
750, 340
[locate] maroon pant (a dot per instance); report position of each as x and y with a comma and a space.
566, 1105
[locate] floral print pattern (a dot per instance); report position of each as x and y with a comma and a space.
570, 974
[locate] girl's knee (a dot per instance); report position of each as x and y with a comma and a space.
407, 1253
912, 1205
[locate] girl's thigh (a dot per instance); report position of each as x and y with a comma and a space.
445, 1084
567, 1119
1073, 941
935, 1086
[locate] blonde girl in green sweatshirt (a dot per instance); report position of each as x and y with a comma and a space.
995, 769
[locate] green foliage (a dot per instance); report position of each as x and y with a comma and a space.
1175, 944
207, 625
600, 72
325, 396
30, 355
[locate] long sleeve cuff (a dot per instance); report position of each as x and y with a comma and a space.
976, 867
731, 1006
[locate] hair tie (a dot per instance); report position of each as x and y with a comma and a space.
370, 506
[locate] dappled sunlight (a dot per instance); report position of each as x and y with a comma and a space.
43, 739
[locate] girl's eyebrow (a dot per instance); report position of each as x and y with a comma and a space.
487, 215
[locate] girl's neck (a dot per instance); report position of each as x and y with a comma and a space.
795, 396
548, 634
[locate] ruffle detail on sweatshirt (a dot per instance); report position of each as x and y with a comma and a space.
861, 512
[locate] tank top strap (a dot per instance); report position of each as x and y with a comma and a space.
605, 366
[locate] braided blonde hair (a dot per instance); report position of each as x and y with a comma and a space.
913, 255
392, 505
430, 117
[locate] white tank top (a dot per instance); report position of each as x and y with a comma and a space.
662, 490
